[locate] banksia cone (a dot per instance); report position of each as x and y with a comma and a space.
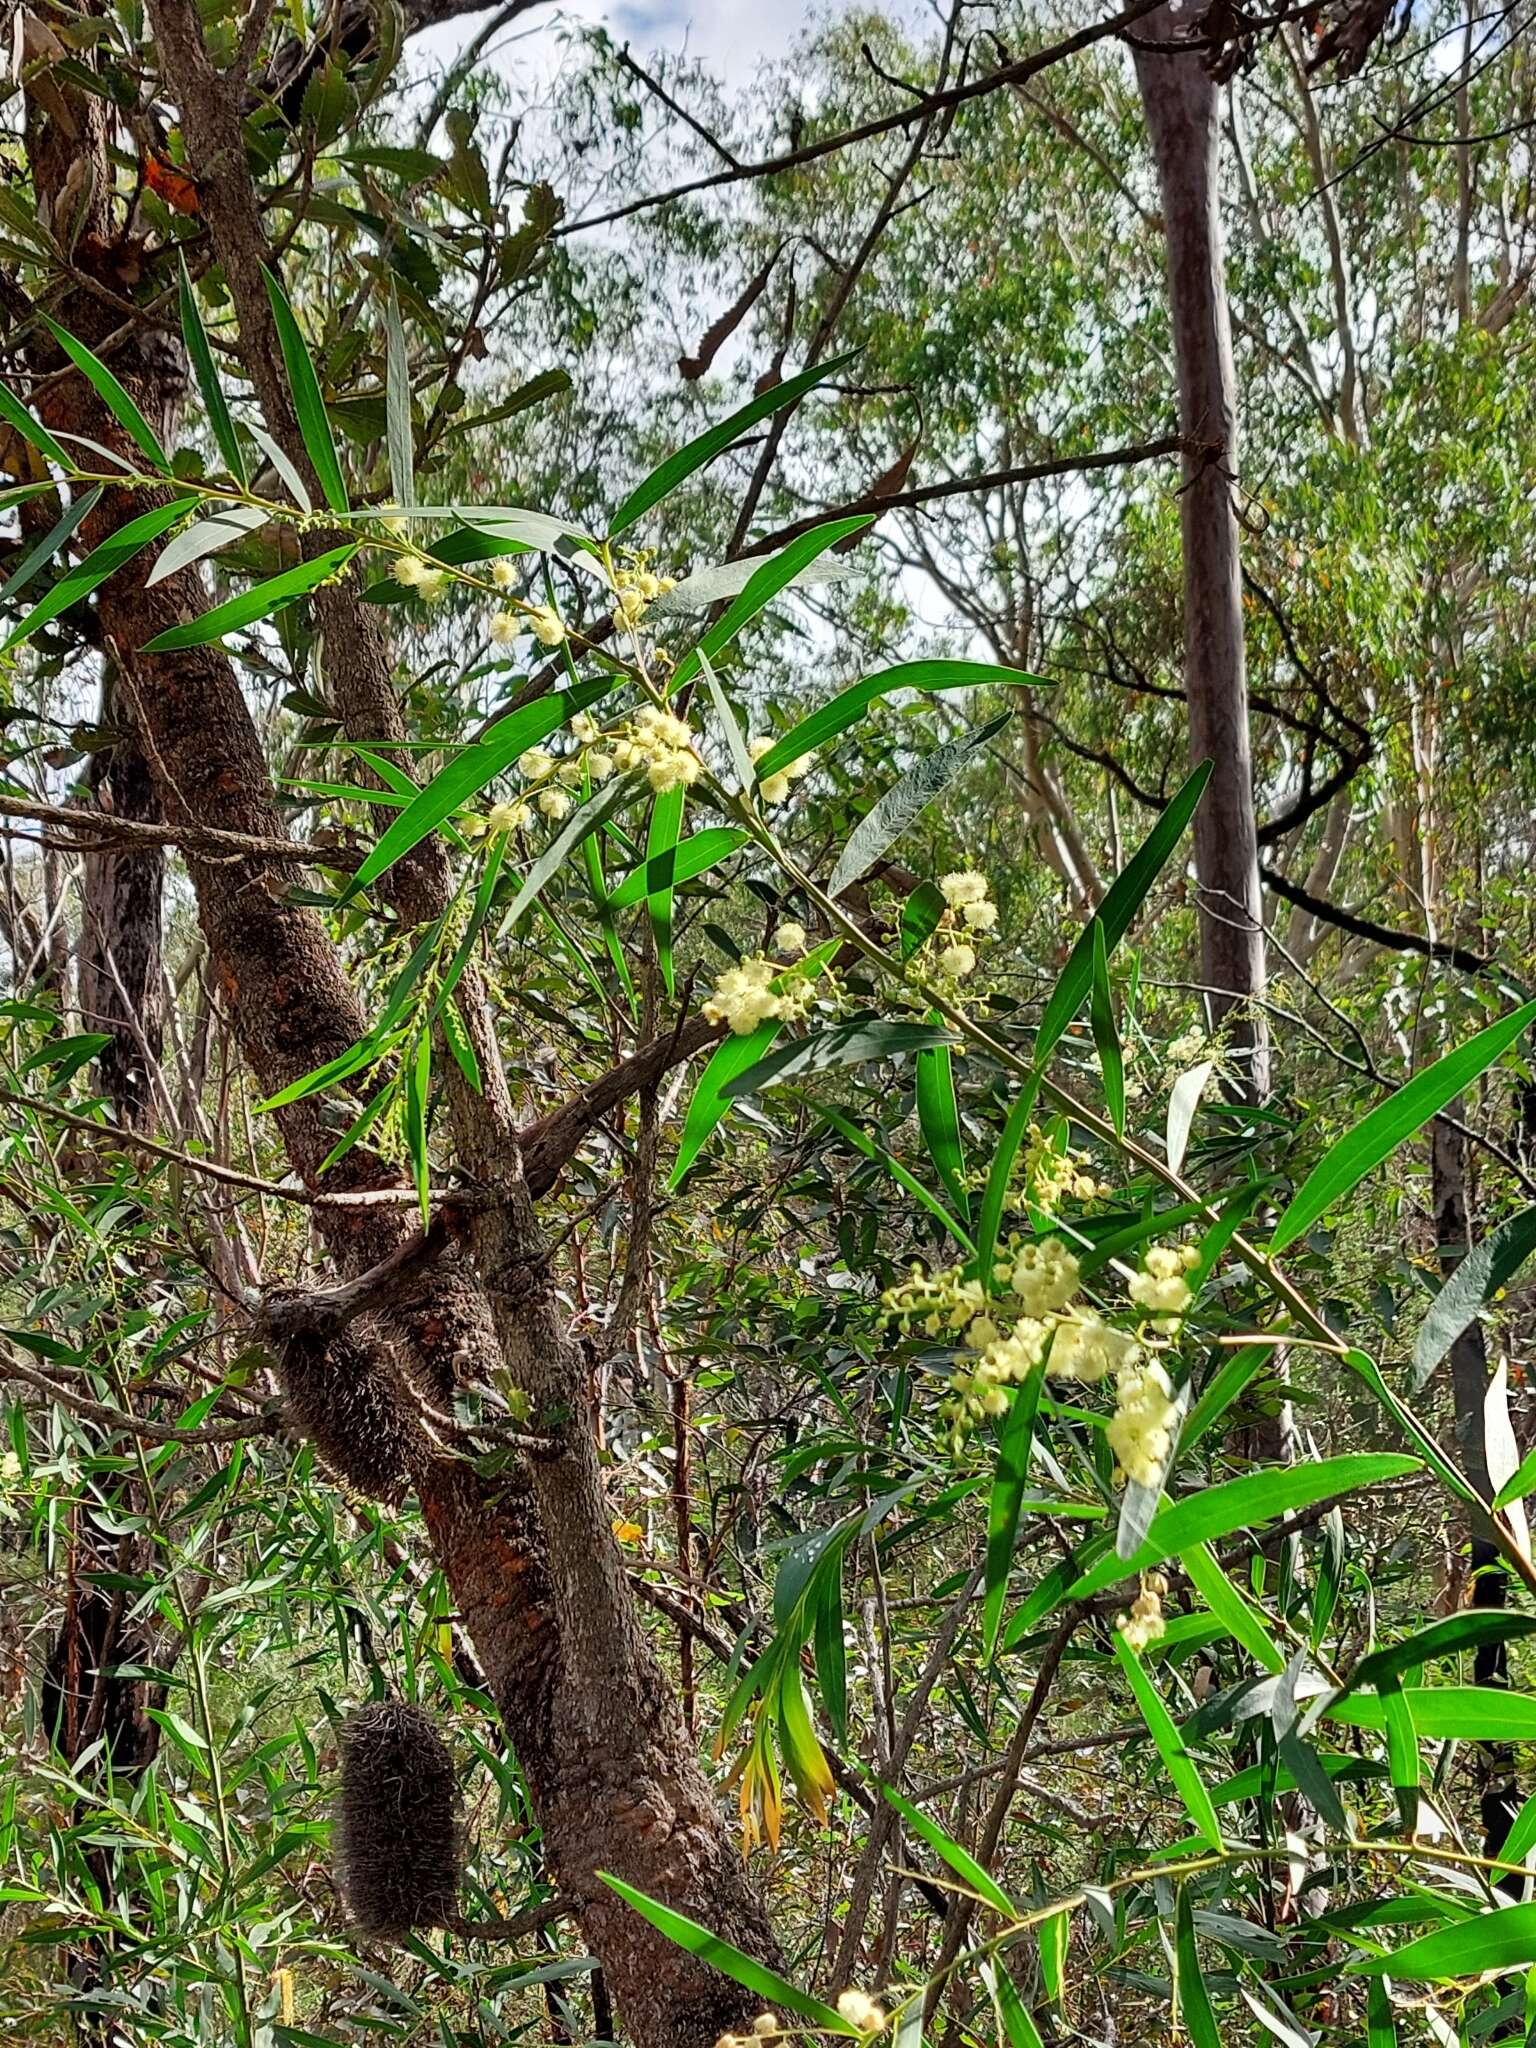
399, 1847
354, 1411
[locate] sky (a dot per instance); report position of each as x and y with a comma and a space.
730, 36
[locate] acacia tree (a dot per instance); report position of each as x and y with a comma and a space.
361, 974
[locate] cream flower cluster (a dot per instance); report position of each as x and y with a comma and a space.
773, 789
660, 746
1160, 1286
1144, 1625
1076, 1343
861, 2011
745, 997
549, 778
1043, 1276
1052, 1172
969, 896
766, 2027
636, 588
1140, 1431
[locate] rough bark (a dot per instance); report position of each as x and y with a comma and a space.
1181, 103
530, 1557
121, 892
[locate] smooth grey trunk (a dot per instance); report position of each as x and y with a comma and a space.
1181, 103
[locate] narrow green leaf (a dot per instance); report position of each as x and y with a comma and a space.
111, 394
201, 357
730, 1962
938, 1116
695, 856
1106, 1039
709, 1102
15, 414
1007, 1499
1019, 2029
1053, 1936
1449, 1713
770, 579
204, 537
914, 1187
399, 435
831, 1651
1237, 1369
840, 1045
103, 561
661, 838
1520, 1485
1124, 898
960, 1861
1472, 1629
1402, 1751
830, 720
920, 916
1236, 1614
1194, 1999
667, 475
902, 804
1352, 1157
1380, 2024
735, 741
1183, 1101
1242, 1504
261, 602
43, 551
1488, 1267
418, 1085
576, 827
1170, 1744
1503, 1939
469, 772
1449, 1475
308, 403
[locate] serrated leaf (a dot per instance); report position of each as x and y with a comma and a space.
903, 804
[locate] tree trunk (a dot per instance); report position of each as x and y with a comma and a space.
1181, 103
1498, 1789
530, 1557
120, 919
